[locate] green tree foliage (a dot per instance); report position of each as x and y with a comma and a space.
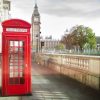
90, 38
80, 36
60, 47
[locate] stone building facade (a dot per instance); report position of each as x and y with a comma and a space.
5, 6
49, 44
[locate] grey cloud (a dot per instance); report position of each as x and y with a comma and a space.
62, 8
72, 8
93, 14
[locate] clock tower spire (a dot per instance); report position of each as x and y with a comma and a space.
36, 29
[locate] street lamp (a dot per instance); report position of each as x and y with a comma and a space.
38, 42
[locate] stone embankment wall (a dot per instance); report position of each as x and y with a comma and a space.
85, 69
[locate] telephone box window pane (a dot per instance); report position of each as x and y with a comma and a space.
21, 74
16, 62
16, 74
11, 74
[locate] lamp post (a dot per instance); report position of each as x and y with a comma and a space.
38, 42
42, 44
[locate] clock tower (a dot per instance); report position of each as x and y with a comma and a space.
36, 29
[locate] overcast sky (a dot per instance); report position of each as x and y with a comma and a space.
59, 15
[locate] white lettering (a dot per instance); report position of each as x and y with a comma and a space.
16, 30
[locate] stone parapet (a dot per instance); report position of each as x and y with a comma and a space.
85, 69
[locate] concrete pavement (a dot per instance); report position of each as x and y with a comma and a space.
49, 85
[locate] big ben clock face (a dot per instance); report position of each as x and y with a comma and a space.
36, 19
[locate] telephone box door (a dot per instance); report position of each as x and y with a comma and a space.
17, 65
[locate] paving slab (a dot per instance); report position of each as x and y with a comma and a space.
10, 98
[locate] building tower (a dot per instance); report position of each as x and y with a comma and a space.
36, 29
5, 7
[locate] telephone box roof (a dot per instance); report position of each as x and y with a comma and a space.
16, 23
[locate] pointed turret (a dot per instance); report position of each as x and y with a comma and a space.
36, 12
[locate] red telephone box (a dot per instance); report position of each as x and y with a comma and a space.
16, 68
